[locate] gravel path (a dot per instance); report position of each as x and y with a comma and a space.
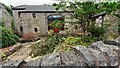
21, 54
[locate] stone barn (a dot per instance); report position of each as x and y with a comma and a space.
35, 18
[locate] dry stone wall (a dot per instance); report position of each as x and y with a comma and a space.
98, 54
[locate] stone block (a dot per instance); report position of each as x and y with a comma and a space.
71, 59
110, 50
51, 61
11, 64
100, 57
32, 64
86, 55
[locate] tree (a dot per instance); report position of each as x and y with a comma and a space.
84, 10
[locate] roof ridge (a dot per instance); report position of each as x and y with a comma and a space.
30, 5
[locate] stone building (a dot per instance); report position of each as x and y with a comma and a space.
5, 17
34, 18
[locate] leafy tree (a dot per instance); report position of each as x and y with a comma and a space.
84, 10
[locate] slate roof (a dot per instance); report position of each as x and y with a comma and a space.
34, 8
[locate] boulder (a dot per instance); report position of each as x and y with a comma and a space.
32, 64
51, 60
71, 59
101, 59
110, 50
12, 64
86, 55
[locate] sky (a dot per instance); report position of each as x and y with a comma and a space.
34, 2
28, 2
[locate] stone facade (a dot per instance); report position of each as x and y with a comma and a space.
37, 25
5, 17
112, 29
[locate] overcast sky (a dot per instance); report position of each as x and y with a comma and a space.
36, 2
29, 2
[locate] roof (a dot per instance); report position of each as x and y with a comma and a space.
34, 8
98, 15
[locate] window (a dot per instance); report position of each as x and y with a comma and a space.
76, 27
54, 17
35, 29
21, 28
34, 15
19, 15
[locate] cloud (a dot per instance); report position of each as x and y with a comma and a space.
28, 2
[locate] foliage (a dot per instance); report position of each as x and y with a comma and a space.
78, 41
97, 31
46, 46
39, 48
84, 10
72, 40
57, 24
3, 56
12, 24
8, 38
57, 43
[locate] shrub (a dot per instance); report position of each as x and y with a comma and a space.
46, 45
78, 41
8, 37
72, 40
97, 31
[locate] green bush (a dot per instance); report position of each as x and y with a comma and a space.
8, 37
72, 40
46, 45
97, 31
79, 41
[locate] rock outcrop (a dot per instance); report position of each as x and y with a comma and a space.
98, 54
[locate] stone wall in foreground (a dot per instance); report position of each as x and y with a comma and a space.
98, 54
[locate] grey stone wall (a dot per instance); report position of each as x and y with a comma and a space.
5, 16
112, 29
98, 54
